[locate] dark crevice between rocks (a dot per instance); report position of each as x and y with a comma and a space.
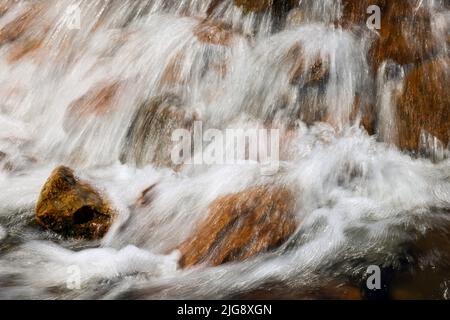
84, 215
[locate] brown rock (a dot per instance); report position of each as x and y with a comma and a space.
96, 101
295, 56
5, 5
146, 196
429, 267
330, 291
24, 49
149, 136
367, 113
405, 37
172, 73
424, 104
253, 5
337, 291
20, 25
242, 225
295, 17
305, 74
215, 33
406, 32
355, 12
278, 8
316, 74
213, 6
177, 72
319, 71
299, 73
72, 207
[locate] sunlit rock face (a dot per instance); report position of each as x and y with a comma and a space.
149, 137
101, 86
424, 104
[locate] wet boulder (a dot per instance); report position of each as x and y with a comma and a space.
24, 48
216, 33
424, 105
355, 12
426, 274
364, 111
296, 17
242, 225
21, 24
72, 207
148, 139
252, 5
329, 290
301, 73
278, 7
97, 101
406, 35
172, 74
5, 5
212, 61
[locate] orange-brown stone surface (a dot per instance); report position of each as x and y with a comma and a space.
242, 225
72, 207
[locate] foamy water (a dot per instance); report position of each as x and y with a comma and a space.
359, 199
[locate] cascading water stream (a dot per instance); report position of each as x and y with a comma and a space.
104, 98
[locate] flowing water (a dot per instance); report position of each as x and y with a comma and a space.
359, 199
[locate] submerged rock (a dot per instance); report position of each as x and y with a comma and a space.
148, 139
72, 207
424, 105
406, 35
256, 6
295, 17
253, 6
5, 5
427, 272
216, 33
355, 12
3, 233
303, 73
17, 27
97, 100
242, 225
172, 74
333, 290
24, 49
314, 73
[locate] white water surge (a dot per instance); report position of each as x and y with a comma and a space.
358, 199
